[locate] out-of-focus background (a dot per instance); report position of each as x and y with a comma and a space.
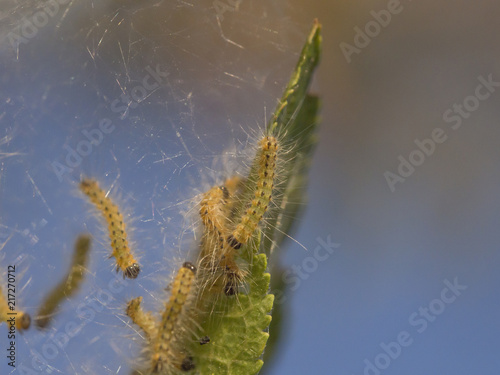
403, 188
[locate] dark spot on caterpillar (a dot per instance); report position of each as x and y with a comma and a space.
235, 244
132, 271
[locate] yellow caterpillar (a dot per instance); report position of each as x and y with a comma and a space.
144, 320
125, 261
69, 285
263, 193
166, 351
217, 257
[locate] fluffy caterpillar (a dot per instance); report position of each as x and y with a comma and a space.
166, 353
143, 319
217, 256
69, 285
263, 193
125, 261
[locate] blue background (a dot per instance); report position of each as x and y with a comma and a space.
222, 79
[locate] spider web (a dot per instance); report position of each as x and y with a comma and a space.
156, 100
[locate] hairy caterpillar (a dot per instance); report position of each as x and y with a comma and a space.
266, 169
219, 243
165, 353
217, 257
116, 227
144, 320
69, 285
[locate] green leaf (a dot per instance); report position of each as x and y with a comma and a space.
291, 199
237, 325
294, 123
291, 204
297, 87
238, 338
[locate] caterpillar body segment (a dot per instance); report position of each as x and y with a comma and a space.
217, 259
213, 208
142, 319
69, 285
262, 196
213, 213
125, 260
167, 350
